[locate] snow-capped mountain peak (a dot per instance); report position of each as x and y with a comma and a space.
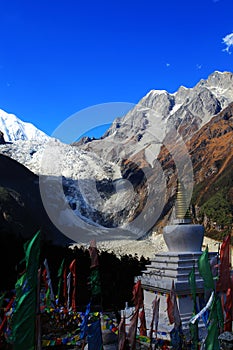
15, 129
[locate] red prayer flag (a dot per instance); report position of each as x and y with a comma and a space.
72, 268
172, 308
142, 317
228, 308
44, 277
138, 295
223, 283
133, 330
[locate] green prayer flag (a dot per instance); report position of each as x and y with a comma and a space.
2, 299
194, 335
95, 281
212, 342
205, 270
23, 321
48, 298
219, 313
215, 322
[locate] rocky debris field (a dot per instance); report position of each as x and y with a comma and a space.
145, 247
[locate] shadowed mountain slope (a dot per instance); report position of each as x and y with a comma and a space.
21, 209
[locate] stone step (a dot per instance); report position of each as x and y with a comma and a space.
180, 263
171, 267
172, 272
180, 278
169, 257
157, 283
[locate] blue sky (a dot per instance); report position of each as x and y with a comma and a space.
61, 56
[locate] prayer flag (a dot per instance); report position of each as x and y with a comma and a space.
44, 277
176, 335
94, 336
219, 313
60, 277
192, 283
202, 304
122, 334
215, 320
205, 269
84, 324
138, 295
223, 283
133, 330
95, 281
215, 324
9, 305
155, 318
68, 282
95, 273
74, 279
49, 292
204, 309
93, 254
142, 317
212, 342
2, 299
228, 308
172, 307
214, 265
23, 321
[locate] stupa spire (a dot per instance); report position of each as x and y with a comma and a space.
182, 212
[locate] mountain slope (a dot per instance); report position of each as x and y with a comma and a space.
21, 209
211, 152
213, 194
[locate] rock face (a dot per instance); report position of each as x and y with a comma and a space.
2, 140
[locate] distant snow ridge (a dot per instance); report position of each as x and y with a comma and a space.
15, 129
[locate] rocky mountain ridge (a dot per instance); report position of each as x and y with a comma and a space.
148, 123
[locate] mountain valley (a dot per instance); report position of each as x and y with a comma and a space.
124, 184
